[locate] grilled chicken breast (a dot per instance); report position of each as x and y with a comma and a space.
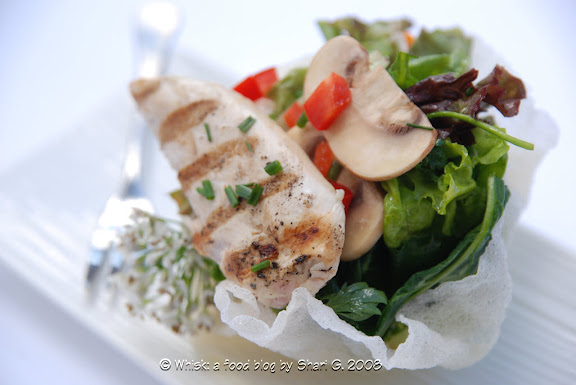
298, 224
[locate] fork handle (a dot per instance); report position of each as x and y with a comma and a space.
132, 183
154, 44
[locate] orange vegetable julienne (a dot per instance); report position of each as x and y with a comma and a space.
327, 101
323, 158
409, 38
293, 113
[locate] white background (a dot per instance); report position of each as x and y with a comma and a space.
60, 60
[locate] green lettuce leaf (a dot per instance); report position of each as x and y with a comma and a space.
429, 209
462, 261
376, 36
433, 53
401, 72
423, 67
287, 90
450, 49
413, 199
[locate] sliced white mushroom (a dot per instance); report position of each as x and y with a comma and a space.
370, 137
307, 138
375, 154
365, 217
342, 55
384, 105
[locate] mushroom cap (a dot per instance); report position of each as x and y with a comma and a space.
365, 218
370, 137
342, 55
375, 154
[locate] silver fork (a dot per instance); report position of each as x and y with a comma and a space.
157, 31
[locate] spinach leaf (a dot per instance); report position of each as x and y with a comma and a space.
356, 302
462, 262
368, 268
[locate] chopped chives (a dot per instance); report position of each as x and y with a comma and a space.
334, 170
419, 126
273, 168
184, 207
259, 266
302, 120
243, 191
232, 197
255, 195
249, 146
208, 134
206, 190
247, 124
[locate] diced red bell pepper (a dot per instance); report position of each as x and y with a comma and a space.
256, 86
293, 113
249, 88
327, 101
323, 158
348, 195
266, 79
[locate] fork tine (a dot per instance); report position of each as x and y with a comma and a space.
116, 261
98, 258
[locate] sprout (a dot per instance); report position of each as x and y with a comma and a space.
165, 277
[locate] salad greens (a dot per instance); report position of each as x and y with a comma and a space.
287, 90
460, 263
379, 36
356, 302
438, 217
440, 51
401, 72
433, 53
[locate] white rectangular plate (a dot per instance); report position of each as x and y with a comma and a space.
49, 205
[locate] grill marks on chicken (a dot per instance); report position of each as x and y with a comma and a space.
222, 214
220, 157
281, 276
298, 223
184, 119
